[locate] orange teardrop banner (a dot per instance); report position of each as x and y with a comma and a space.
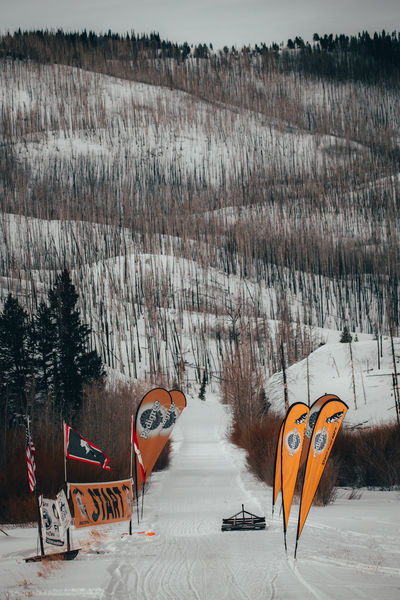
149, 419
326, 427
292, 442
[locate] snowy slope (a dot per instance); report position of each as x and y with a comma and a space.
369, 396
348, 550
131, 124
116, 284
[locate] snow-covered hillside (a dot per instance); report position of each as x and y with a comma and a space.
181, 306
367, 388
128, 127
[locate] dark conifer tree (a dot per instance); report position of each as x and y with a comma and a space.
202, 392
76, 364
44, 338
345, 337
15, 361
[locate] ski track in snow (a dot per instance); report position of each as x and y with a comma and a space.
191, 559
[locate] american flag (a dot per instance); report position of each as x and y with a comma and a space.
30, 461
137, 451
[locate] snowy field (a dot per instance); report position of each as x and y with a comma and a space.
348, 550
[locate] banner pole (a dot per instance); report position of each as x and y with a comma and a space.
39, 515
134, 462
130, 471
39, 522
65, 456
131, 466
65, 480
284, 525
136, 491
143, 497
282, 509
295, 550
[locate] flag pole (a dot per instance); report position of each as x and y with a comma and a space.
136, 491
39, 517
131, 468
133, 433
131, 473
65, 479
282, 496
284, 521
143, 484
39, 522
65, 457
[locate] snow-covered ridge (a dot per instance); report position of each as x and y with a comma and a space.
366, 385
61, 115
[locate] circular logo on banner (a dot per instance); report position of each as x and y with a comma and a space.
170, 419
320, 441
293, 441
312, 418
150, 418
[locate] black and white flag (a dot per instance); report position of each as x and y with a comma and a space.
78, 448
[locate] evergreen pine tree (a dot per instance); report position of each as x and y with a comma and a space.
15, 361
202, 393
345, 337
44, 338
76, 365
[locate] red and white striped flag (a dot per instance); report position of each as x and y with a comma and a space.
30, 461
137, 450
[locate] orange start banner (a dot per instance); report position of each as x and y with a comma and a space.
101, 503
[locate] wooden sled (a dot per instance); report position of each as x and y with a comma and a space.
65, 555
243, 520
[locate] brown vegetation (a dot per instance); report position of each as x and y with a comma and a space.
368, 457
365, 458
105, 421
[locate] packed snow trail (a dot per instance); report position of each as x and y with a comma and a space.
349, 550
190, 558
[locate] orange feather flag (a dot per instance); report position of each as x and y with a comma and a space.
149, 419
171, 404
326, 427
292, 441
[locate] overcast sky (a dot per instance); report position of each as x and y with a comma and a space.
221, 22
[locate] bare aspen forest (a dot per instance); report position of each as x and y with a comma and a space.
212, 207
